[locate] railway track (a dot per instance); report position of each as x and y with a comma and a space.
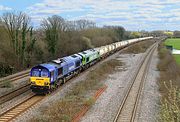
128, 107
15, 111
19, 77
16, 92
14, 77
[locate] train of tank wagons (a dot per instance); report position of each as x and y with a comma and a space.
46, 77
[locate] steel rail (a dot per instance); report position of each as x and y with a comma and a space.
142, 69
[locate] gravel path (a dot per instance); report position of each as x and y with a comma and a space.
108, 103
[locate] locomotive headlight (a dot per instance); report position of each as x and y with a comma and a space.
46, 83
33, 82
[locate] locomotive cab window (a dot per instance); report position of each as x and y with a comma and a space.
44, 73
60, 71
77, 63
35, 73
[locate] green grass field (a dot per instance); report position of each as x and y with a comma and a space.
175, 42
177, 58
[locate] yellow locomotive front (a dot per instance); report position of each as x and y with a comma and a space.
39, 79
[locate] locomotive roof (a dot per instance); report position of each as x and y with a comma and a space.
46, 66
88, 52
72, 58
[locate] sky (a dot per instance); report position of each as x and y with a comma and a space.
134, 15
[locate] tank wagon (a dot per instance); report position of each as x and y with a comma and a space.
46, 77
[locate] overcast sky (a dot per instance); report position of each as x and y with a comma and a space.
131, 14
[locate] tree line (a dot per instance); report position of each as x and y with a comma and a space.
23, 46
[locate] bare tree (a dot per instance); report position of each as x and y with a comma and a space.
25, 28
84, 24
120, 31
52, 27
17, 25
10, 22
71, 25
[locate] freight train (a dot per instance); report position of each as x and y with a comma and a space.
46, 77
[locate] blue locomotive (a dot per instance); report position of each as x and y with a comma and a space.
48, 76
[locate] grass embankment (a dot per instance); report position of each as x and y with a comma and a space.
65, 109
169, 86
175, 42
139, 47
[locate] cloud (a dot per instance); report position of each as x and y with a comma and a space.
132, 14
3, 8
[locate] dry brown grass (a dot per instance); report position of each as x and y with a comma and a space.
139, 47
169, 86
65, 109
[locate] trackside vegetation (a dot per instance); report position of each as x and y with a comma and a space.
66, 108
169, 86
170, 108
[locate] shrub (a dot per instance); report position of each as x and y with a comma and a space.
170, 106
